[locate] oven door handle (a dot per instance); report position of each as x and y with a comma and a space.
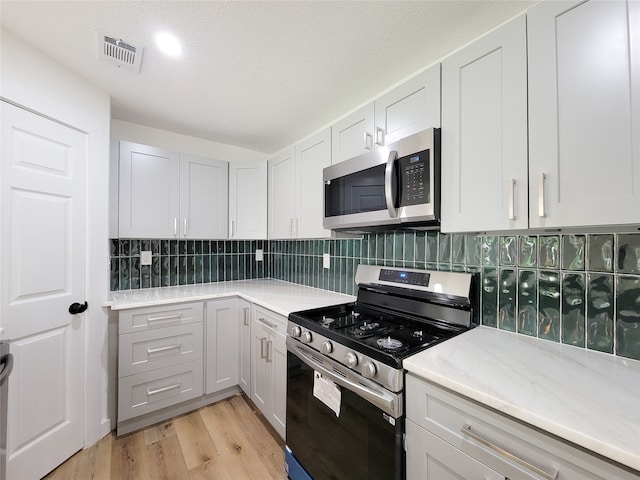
388, 402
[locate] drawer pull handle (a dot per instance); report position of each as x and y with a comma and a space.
269, 349
163, 349
272, 326
466, 431
163, 318
163, 389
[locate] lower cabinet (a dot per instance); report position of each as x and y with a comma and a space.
222, 344
244, 378
160, 360
451, 437
179, 357
269, 366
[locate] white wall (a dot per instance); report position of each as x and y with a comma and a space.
34, 82
133, 132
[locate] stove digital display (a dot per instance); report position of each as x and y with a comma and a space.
408, 278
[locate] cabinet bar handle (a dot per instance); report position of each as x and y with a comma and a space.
466, 430
368, 141
232, 225
380, 136
291, 226
262, 340
269, 349
163, 318
246, 316
272, 326
175, 226
164, 349
541, 209
163, 389
184, 228
512, 198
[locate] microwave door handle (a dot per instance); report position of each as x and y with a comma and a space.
389, 177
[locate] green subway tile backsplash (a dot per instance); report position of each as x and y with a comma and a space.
581, 290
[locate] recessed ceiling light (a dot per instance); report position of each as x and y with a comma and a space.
168, 44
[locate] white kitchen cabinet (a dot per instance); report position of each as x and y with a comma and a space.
149, 191
160, 360
269, 366
222, 344
484, 133
450, 436
282, 193
296, 191
203, 197
248, 200
408, 108
584, 112
165, 194
244, 377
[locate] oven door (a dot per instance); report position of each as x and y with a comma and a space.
363, 440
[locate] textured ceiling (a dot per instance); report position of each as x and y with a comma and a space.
258, 75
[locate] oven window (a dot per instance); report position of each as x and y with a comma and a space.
358, 192
359, 444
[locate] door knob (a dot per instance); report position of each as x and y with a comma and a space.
78, 308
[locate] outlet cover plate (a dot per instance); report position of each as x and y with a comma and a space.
145, 257
326, 260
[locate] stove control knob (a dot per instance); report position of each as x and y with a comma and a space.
307, 337
296, 332
351, 359
369, 370
326, 347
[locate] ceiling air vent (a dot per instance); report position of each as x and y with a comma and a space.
122, 53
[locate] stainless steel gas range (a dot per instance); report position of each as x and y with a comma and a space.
345, 383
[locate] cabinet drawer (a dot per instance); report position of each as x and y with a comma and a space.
149, 391
141, 319
430, 458
276, 323
506, 445
147, 350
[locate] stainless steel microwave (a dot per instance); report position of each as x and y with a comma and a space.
394, 186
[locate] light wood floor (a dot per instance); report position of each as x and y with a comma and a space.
225, 440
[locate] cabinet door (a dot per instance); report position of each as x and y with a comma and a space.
245, 347
352, 135
261, 377
484, 133
409, 108
278, 356
203, 197
248, 200
148, 191
282, 190
312, 156
222, 345
584, 112
431, 458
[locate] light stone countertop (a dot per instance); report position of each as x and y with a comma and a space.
276, 295
589, 398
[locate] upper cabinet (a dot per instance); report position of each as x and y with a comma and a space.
247, 200
163, 194
296, 191
412, 106
484, 133
575, 65
584, 113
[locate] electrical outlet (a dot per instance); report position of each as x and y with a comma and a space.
326, 260
145, 257
259, 255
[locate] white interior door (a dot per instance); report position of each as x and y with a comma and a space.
42, 255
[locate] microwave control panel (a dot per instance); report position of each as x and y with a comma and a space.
414, 179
